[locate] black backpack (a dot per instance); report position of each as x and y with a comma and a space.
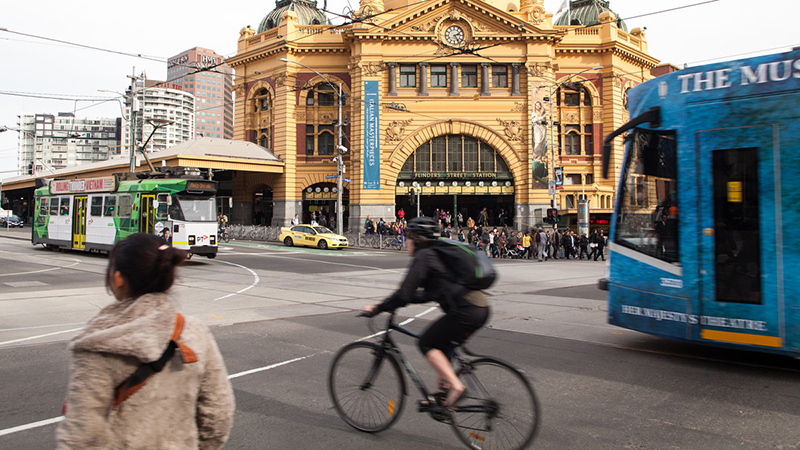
469, 268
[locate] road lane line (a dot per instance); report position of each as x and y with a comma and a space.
255, 282
40, 336
43, 326
402, 324
272, 366
43, 270
29, 426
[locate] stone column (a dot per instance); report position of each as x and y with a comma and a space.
423, 79
454, 79
515, 80
485, 80
392, 79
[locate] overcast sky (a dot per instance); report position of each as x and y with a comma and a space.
157, 30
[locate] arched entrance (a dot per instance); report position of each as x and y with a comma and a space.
319, 200
262, 205
457, 173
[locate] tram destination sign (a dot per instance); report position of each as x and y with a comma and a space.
81, 185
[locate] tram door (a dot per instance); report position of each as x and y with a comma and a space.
147, 214
739, 300
79, 222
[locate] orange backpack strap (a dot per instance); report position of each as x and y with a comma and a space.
147, 370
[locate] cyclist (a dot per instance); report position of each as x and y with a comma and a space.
465, 310
222, 223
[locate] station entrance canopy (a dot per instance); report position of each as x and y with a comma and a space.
202, 153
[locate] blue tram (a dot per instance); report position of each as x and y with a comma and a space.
705, 240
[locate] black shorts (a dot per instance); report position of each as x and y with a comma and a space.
453, 329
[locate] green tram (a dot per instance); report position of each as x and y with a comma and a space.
92, 214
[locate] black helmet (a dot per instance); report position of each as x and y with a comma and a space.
422, 228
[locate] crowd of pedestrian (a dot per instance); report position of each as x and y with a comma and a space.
503, 241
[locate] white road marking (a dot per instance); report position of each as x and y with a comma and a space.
255, 282
43, 270
29, 426
40, 336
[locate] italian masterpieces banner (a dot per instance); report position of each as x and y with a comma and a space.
372, 143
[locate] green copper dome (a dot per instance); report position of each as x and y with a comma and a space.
587, 13
306, 10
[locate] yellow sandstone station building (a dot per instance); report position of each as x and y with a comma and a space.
472, 103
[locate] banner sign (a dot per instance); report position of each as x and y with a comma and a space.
104, 184
559, 178
372, 149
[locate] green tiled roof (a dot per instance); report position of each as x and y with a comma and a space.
306, 10
587, 13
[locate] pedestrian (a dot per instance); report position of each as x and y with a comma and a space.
323, 222
601, 244
187, 403
541, 242
460, 219
470, 223
295, 220
583, 242
555, 243
483, 218
592, 244
526, 244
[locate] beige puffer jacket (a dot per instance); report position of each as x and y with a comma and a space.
185, 406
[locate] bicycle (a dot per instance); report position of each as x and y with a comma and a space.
396, 242
498, 409
224, 235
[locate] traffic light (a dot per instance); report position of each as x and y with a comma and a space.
552, 215
412, 197
30, 169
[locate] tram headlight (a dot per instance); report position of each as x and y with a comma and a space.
191, 240
213, 240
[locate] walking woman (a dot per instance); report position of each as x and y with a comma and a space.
186, 403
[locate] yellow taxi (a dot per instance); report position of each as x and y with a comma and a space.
311, 236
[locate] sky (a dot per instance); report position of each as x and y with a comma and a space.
681, 32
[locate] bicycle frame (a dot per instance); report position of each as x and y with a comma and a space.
388, 345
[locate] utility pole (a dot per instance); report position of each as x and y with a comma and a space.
132, 120
339, 168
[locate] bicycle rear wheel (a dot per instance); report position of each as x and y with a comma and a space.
366, 387
499, 409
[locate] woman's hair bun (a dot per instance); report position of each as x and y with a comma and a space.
146, 262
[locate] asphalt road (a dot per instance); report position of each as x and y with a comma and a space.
280, 314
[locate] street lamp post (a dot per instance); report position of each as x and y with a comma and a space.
340, 149
552, 125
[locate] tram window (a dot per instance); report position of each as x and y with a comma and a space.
110, 204
737, 252
44, 206
161, 211
54, 206
97, 206
125, 206
648, 217
64, 210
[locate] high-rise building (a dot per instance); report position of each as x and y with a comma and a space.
205, 74
165, 108
48, 142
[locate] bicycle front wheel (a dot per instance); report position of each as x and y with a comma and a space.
366, 387
498, 410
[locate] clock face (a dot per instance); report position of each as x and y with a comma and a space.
454, 35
